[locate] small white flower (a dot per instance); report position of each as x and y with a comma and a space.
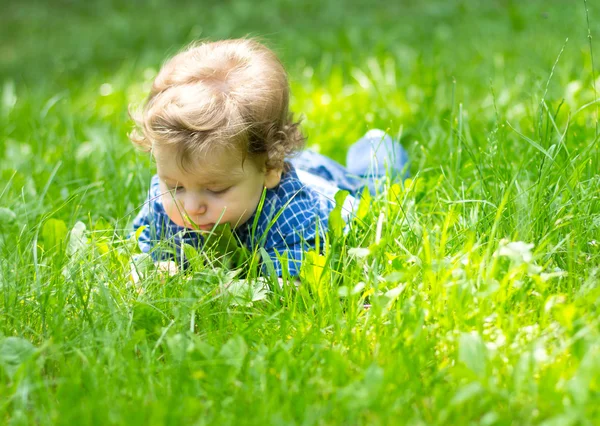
77, 239
106, 89
555, 274
572, 88
517, 251
359, 252
540, 354
358, 288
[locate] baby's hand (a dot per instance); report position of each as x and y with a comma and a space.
294, 281
168, 266
162, 268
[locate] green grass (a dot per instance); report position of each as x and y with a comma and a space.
483, 277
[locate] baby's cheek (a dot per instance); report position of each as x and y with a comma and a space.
172, 209
244, 207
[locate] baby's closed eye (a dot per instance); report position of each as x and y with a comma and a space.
176, 188
219, 191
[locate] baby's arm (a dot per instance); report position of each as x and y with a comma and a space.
142, 226
144, 229
149, 219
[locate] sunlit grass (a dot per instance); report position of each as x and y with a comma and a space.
481, 270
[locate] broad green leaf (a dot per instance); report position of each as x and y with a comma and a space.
14, 351
244, 292
565, 314
203, 348
472, 353
192, 256
267, 262
178, 345
522, 372
312, 269
336, 221
221, 240
467, 393
234, 352
54, 233
142, 263
567, 419
103, 247
147, 317
7, 215
364, 204
395, 192
225, 246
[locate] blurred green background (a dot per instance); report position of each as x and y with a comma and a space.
73, 41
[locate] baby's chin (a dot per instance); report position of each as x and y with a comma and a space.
205, 227
179, 221
208, 226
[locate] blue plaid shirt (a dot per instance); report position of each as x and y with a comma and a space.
293, 212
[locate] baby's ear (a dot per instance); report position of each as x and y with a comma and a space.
272, 178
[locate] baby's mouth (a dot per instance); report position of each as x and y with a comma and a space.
190, 223
207, 227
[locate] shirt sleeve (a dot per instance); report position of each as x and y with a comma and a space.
147, 219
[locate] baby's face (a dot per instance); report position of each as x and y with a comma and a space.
217, 190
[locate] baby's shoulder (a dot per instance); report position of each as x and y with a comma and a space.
302, 197
290, 210
292, 193
295, 189
322, 192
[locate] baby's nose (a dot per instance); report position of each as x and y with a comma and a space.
195, 205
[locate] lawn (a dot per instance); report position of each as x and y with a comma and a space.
482, 270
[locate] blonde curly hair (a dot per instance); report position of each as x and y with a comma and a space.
215, 96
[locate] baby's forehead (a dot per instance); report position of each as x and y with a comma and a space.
204, 175
215, 165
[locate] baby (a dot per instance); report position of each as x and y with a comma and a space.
218, 125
